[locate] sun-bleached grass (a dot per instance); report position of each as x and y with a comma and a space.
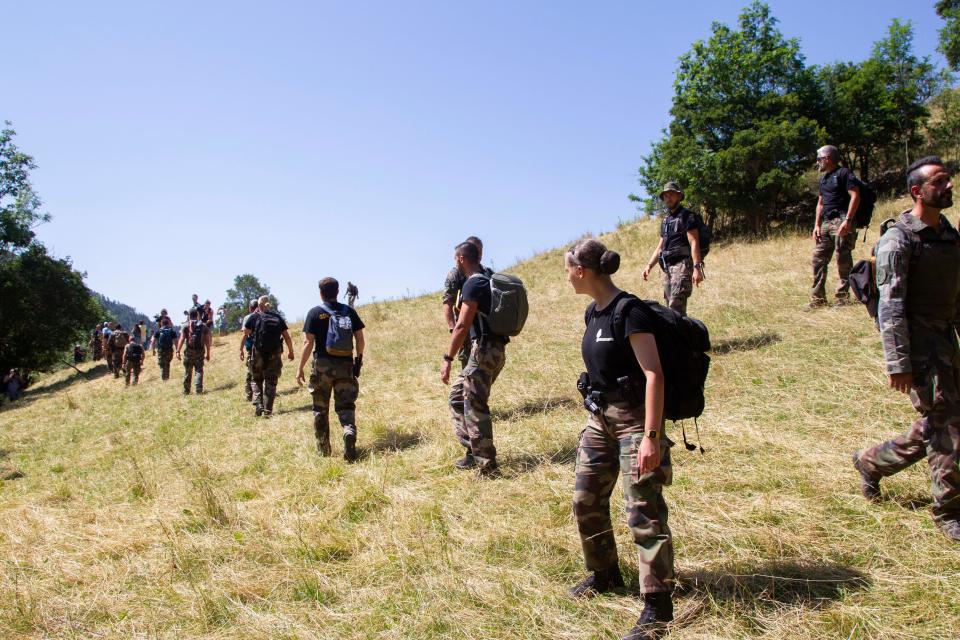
145, 514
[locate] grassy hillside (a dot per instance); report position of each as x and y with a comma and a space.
143, 513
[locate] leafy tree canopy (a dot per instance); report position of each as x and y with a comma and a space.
949, 10
246, 287
19, 204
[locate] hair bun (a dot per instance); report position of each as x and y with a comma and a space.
609, 262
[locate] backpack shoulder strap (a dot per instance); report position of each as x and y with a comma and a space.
624, 304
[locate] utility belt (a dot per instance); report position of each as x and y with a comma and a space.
629, 390
670, 258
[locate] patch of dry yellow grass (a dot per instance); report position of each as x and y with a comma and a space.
143, 513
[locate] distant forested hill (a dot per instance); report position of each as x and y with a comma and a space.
124, 314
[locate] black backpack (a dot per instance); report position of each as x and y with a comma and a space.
135, 353
195, 337
682, 343
165, 338
268, 332
868, 198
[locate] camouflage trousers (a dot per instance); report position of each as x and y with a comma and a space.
193, 368
163, 359
470, 395
333, 375
935, 435
606, 451
264, 369
830, 242
116, 357
678, 284
132, 369
247, 385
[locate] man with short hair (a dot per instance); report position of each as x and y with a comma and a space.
266, 328
118, 342
330, 331
132, 361
834, 229
470, 395
678, 251
246, 344
196, 336
164, 342
918, 274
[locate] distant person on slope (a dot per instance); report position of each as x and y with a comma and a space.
678, 251
268, 330
470, 394
835, 226
623, 437
246, 344
132, 361
329, 332
118, 342
106, 344
352, 293
198, 341
221, 321
164, 341
918, 274
137, 332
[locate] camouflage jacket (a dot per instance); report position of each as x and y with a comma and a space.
918, 275
453, 283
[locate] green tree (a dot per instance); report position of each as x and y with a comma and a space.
19, 204
949, 10
742, 131
246, 287
943, 127
45, 309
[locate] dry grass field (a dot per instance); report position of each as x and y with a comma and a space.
142, 513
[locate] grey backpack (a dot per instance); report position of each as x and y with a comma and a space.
508, 305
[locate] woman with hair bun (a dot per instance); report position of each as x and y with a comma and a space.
623, 391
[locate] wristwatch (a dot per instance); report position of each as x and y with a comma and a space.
447, 358
652, 435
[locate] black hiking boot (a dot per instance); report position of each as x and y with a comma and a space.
869, 486
257, 410
596, 583
656, 615
489, 470
951, 529
466, 462
349, 447
323, 448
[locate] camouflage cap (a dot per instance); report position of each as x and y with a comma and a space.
671, 186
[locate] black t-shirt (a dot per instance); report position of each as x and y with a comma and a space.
317, 323
605, 358
834, 192
673, 229
476, 288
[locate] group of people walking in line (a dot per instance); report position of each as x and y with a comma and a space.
918, 283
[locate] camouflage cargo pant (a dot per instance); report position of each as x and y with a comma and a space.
830, 242
247, 386
265, 370
163, 359
333, 375
470, 395
935, 435
132, 369
193, 367
605, 452
678, 284
116, 357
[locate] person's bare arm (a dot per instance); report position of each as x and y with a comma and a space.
449, 316
208, 341
308, 340
816, 220
849, 223
361, 341
289, 341
645, 349
653, 259
693, 237
467, 312
246, 333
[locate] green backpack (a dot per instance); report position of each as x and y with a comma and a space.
508, 305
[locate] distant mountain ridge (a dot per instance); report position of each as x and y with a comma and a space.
122, 313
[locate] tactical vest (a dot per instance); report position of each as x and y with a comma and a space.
933, 278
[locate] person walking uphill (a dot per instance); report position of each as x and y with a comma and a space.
118, 342
835, 227
623, 436
679, 250
330, 331
132, 361
246, 344
198, 341
918, 274
470, 394
164, 343
268, 330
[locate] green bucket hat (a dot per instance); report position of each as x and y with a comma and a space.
671, 186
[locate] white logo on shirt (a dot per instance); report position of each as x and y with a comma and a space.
599, 339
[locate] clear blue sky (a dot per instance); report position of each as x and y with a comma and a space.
360, 140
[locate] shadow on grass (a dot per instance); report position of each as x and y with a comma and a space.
223, 386
291, 391
912, 501
774, 584
515, 465
534, 407
34, 393
749, 343
391, 440
304, 408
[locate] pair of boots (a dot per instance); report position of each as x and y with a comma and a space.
657, 611
349, 447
